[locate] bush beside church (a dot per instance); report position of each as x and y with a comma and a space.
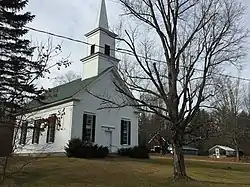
135, 152
80, 149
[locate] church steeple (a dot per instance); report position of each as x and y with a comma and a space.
101, 53
102, 17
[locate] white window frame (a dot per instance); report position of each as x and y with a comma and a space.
90, 124
23, 134
126, 122
39, 130
50, 132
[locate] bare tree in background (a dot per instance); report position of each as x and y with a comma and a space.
247, 99
192, 40
230, 113
66, 78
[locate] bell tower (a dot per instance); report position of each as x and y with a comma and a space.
101, 52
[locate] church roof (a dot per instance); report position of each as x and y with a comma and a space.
62, 92
67, 92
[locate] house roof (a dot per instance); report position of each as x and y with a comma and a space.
185, 147
223, 147
154, 138
190, 148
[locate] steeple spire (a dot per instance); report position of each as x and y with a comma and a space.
103, 18
100, 54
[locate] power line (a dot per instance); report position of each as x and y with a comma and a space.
120, 50
57, 35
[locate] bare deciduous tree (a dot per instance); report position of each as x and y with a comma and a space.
192, 40
67, 77
231, 117
247, 99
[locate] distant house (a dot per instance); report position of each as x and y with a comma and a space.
156, 143
187, 150
220, 151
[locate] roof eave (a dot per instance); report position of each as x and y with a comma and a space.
111, 34
53, 104
99, 54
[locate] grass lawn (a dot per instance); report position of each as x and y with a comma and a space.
125, 172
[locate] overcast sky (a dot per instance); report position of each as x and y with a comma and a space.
75, 18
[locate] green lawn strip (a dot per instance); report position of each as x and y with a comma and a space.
126, 172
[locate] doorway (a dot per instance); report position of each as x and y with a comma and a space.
108, 140
217, 152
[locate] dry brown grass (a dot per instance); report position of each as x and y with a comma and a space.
123, 172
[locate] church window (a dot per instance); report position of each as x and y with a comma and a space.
125, 132
23, 136
36, 132
92, 49
107, 50
88, 131
51, 129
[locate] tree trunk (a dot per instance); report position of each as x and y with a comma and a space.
237, 153
178, 161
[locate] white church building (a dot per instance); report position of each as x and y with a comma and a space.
78, 106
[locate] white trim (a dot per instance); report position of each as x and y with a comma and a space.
108, 126
222, 147
152, 138
99, 54
89, 113
155, 136
45, 106
126, 119
125, 145
111, 34
93, 82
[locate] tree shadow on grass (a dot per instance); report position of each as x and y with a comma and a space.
227, 183
197, 183
29, 177
146, 160
190, 164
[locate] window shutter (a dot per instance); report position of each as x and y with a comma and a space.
129, 133
93, 129
84, 126
53, 131
38, 126
122, 127
23, 132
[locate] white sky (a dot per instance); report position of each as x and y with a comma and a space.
74, 19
